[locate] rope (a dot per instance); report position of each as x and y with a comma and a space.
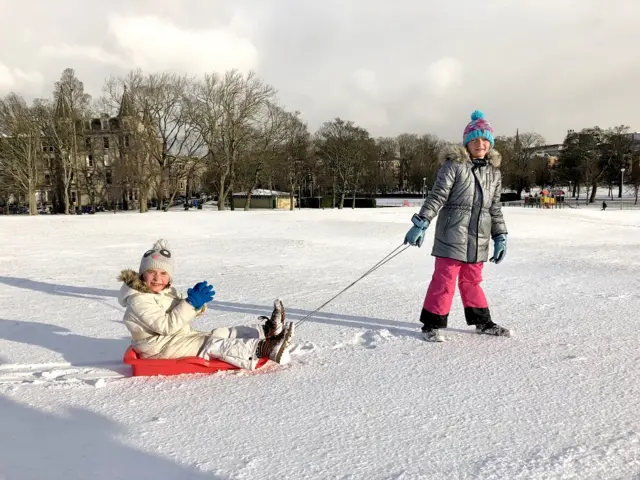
390, 256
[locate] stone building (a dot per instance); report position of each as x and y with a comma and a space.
98, 176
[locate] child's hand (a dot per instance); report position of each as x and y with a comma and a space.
200, 294
415, 235
499, 249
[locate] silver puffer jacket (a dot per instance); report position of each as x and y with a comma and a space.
466, 200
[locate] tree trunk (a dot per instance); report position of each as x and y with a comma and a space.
247, 204
620, 189
341, 205
160, 191
594, 190
333, 203
33, 205
66, 199
144, 193
222, 193
353, 199
291, 197
575, 187
171, 199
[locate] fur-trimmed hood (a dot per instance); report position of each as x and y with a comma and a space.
457, 153
132, 279
132, 284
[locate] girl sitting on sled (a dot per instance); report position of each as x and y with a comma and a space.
159, 319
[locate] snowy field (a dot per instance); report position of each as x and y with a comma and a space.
364, 397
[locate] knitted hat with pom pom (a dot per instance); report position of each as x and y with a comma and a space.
158, 257
478, 127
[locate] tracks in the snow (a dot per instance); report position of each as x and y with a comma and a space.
63, 372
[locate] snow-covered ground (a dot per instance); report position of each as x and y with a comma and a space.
364, 397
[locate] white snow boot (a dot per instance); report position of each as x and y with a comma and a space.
432, 335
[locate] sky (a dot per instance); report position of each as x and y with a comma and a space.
417, 66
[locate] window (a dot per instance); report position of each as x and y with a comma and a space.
87, 143
126, 141
105, 141
90, 160
107, 160
74, 196
108, 178
47, 179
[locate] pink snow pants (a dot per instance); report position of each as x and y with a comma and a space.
443, 285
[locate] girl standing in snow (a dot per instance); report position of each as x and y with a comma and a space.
159, 319
466, 199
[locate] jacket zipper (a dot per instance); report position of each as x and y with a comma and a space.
478, 186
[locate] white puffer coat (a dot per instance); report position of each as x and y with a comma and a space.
160, 323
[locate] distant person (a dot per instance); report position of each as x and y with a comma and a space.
466, 199
604, 205
159, 319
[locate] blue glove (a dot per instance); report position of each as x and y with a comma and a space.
499, 248
200, 294
415, 235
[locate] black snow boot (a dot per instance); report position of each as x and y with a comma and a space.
491, 328
274, 325
432, 335
277, 348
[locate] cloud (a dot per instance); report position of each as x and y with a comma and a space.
17, 79
391, 67
155, 44
84, 51
445, 74
366, 81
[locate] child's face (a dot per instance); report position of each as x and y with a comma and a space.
479, 147
156, 279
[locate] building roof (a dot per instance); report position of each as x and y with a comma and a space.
126, 105
261, 192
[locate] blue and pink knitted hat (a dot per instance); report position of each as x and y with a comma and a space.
478, 127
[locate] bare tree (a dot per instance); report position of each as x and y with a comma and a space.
270, 137
62, 126
616, 152
156, 133
226, 112
518, 154
635, 175
167, 111
7, 184
408, 147
383, 176
20, 148
345, 150
182, 169
296, 153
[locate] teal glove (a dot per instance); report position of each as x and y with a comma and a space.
499, 248
415, 235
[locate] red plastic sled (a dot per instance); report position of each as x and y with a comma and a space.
146, 367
